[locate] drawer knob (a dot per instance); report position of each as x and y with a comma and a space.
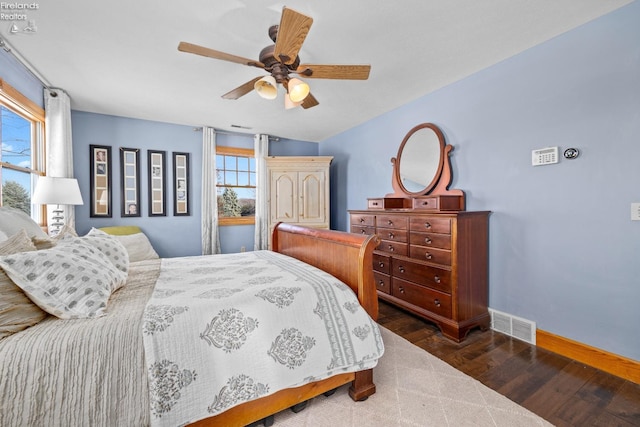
381, 284
427, 225
389, 222
436, 302
381, 264
425, 203
401, 269
436, 279
391, 248
363, 231
427, 240
428, 255
362, 220
391, 235
401, 289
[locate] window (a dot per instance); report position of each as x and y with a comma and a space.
236, 182
22, 155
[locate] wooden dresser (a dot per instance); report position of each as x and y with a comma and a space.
432, 264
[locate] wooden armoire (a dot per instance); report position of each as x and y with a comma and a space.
298, 190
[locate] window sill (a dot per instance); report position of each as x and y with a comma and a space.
249, 220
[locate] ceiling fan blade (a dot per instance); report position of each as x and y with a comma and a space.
345, 72
292, 31
241, 90
210, 53
309, 102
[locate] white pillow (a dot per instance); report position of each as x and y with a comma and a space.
71, 280
50, 242
111, 247
13, 220
138, 246
17, 312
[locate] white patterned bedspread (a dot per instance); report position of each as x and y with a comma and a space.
222, 330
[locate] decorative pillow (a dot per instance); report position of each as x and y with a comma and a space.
111, 247
17, 312
19, 242
138, 246
13, 220
121, 230
50, 242
71, 280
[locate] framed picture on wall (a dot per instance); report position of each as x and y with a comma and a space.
100, 173
157, 184
181, 184
129, 182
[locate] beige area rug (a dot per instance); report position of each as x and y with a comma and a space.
413, 388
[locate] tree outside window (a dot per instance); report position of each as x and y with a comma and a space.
21, 157
236, 185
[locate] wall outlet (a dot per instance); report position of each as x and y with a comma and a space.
242, 249
635, 211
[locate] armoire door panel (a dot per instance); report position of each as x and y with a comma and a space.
311, 187
284, 206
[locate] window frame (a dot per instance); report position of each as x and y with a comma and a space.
238, 152
19, 104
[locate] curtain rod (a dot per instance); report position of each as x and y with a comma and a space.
30, 68
248, 135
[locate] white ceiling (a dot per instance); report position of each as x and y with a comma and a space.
120, 57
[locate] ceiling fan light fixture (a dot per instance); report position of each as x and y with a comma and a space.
289, 104
266, 87
298, 90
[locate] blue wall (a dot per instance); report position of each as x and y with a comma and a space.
563, 250
170, 235
20, 79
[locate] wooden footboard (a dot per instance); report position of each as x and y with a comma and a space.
349, 258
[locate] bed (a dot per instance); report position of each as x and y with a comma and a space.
95, 370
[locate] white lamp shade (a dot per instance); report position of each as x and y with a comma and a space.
267, 87
298, 90
289, 104
57, 191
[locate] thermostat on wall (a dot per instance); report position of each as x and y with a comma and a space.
544, 156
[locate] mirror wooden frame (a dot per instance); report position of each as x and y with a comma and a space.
437, 191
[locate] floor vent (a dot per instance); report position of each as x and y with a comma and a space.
514, 326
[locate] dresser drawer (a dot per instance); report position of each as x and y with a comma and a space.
430, 224
358, 229
392, 234
438, 256
439, 203
394, 248
381, 263
383, 282
426, 203
391, 221
428, 299
363, 220
441, 241
421, 274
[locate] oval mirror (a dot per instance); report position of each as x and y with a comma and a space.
420, 159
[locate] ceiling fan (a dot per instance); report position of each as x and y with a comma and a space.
280, 60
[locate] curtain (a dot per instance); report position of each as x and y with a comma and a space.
210, 236
59, 149
261, 151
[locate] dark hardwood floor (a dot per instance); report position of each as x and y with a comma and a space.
560, 390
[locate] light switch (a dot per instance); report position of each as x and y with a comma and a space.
635, 211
